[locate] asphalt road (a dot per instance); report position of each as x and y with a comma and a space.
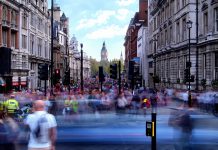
127, 132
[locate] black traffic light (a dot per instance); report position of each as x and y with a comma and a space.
56, 76
43, 71
186, 74
57, 73
131, 70
67, 77
113, 71
101, 74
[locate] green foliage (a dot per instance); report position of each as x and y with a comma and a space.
214, 84
203, 83
178, 80
94, 67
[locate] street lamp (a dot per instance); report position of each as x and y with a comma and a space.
52, 46
154, 61
189, 26
81, 69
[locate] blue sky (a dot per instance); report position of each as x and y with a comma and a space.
96, 21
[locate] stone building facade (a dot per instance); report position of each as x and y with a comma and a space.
75, 62
38, 39
169, 40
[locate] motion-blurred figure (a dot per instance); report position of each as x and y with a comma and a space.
8, 132
182, 123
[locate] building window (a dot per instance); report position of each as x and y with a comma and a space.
172, 8
24, 62
204, 65
32, 21
178, 3
183, 3
216, 66
31, 43
184, 33
150, 64
46, 50
46, 28
39, 47
178, 66
39, 23
13, 39
24, 41
178, 32
5, 13
4, 38
216, 19
14, 61
205, 23
171, 34
13, 17
166, 38
24, 21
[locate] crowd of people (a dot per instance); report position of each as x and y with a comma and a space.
41, 109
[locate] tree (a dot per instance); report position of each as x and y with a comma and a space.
94, 66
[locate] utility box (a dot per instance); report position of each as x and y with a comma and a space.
148, 128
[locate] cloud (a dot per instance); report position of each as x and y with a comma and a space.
122, 14
101, 17
107, 32
125, 2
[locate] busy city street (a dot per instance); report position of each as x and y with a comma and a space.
108, 75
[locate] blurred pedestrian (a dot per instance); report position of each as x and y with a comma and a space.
121, 103
42, 128
8, 132
182, 123
53, 108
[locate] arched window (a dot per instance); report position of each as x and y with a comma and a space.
13, 17
4, 15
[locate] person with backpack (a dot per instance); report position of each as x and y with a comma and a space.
42, 127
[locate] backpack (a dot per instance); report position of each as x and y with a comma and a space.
39, 128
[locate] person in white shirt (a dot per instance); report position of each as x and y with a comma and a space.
42, 128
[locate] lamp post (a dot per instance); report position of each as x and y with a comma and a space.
189, 26
154, 58
81, 69
52, 46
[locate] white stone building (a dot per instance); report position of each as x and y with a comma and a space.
169, 40
142, 49
75, 62
38, 40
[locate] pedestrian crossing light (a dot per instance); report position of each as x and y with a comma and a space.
113, 71
186, 74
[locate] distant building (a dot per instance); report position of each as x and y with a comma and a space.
75, 62
104, 53
121, 57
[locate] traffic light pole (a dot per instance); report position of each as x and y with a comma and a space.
153, 137
189, 67
119, 78
81, 83
52, 32
45, 87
